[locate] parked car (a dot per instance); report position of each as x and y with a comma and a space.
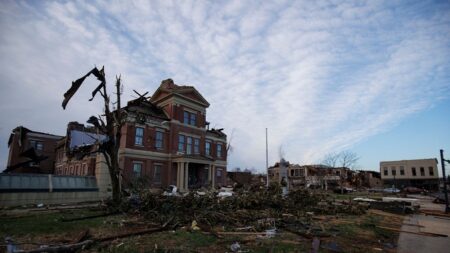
344, 190
376, 190
411, 189
391, 190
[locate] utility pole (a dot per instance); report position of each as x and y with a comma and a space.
444, 178
267, 160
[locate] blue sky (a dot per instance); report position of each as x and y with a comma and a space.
324, 76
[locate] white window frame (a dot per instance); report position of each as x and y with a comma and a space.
140, 169
189, 145
159, 166
159, 143
219, 150
138, 139
196, 146
181, 144
208, 149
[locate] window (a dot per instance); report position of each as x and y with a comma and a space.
219, 175
157, 173
431, 171
394, 171
402, 170
186, 117
385, 171
292, 173
196, 146
139, 136
38, 145
189, 145
193, 119
413, 171
159, 140
219, 150
189, 118
181, 143
208, 148
422, 171
137, 170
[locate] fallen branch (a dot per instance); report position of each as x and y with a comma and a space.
141, 232
145, 231
62, 248
89, 217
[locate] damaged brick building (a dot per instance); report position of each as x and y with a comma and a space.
311, 176
166, 139
76, 153
31, 151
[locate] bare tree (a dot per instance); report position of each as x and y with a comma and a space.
109, 124
331, 159
229, 147
343, 161
348, 159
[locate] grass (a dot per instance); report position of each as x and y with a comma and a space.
48, 223
353, 234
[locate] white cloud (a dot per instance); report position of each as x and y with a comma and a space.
321, 76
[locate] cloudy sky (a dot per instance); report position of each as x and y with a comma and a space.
324, 76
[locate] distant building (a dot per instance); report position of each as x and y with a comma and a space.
368, 179
239, 177
31, 151
312, 176
421, 173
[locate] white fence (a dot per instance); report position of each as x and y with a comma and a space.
23, 189
45, 183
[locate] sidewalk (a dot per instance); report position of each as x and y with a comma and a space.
412, 243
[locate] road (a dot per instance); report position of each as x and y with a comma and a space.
412, 243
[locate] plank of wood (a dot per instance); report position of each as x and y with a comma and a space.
435, 213
410, 232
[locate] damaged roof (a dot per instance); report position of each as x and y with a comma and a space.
23, 131
217, 133
83, 138
143, 105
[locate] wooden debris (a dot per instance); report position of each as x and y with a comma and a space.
410, 232
435, 213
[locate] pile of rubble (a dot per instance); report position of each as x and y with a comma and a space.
257, 209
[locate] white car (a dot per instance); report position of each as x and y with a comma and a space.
391, 190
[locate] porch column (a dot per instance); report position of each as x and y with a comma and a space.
179, 175
186, 176
209, 174
213, 172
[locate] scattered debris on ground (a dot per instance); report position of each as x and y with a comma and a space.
239, 220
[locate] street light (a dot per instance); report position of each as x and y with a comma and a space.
447, 208
394, 172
